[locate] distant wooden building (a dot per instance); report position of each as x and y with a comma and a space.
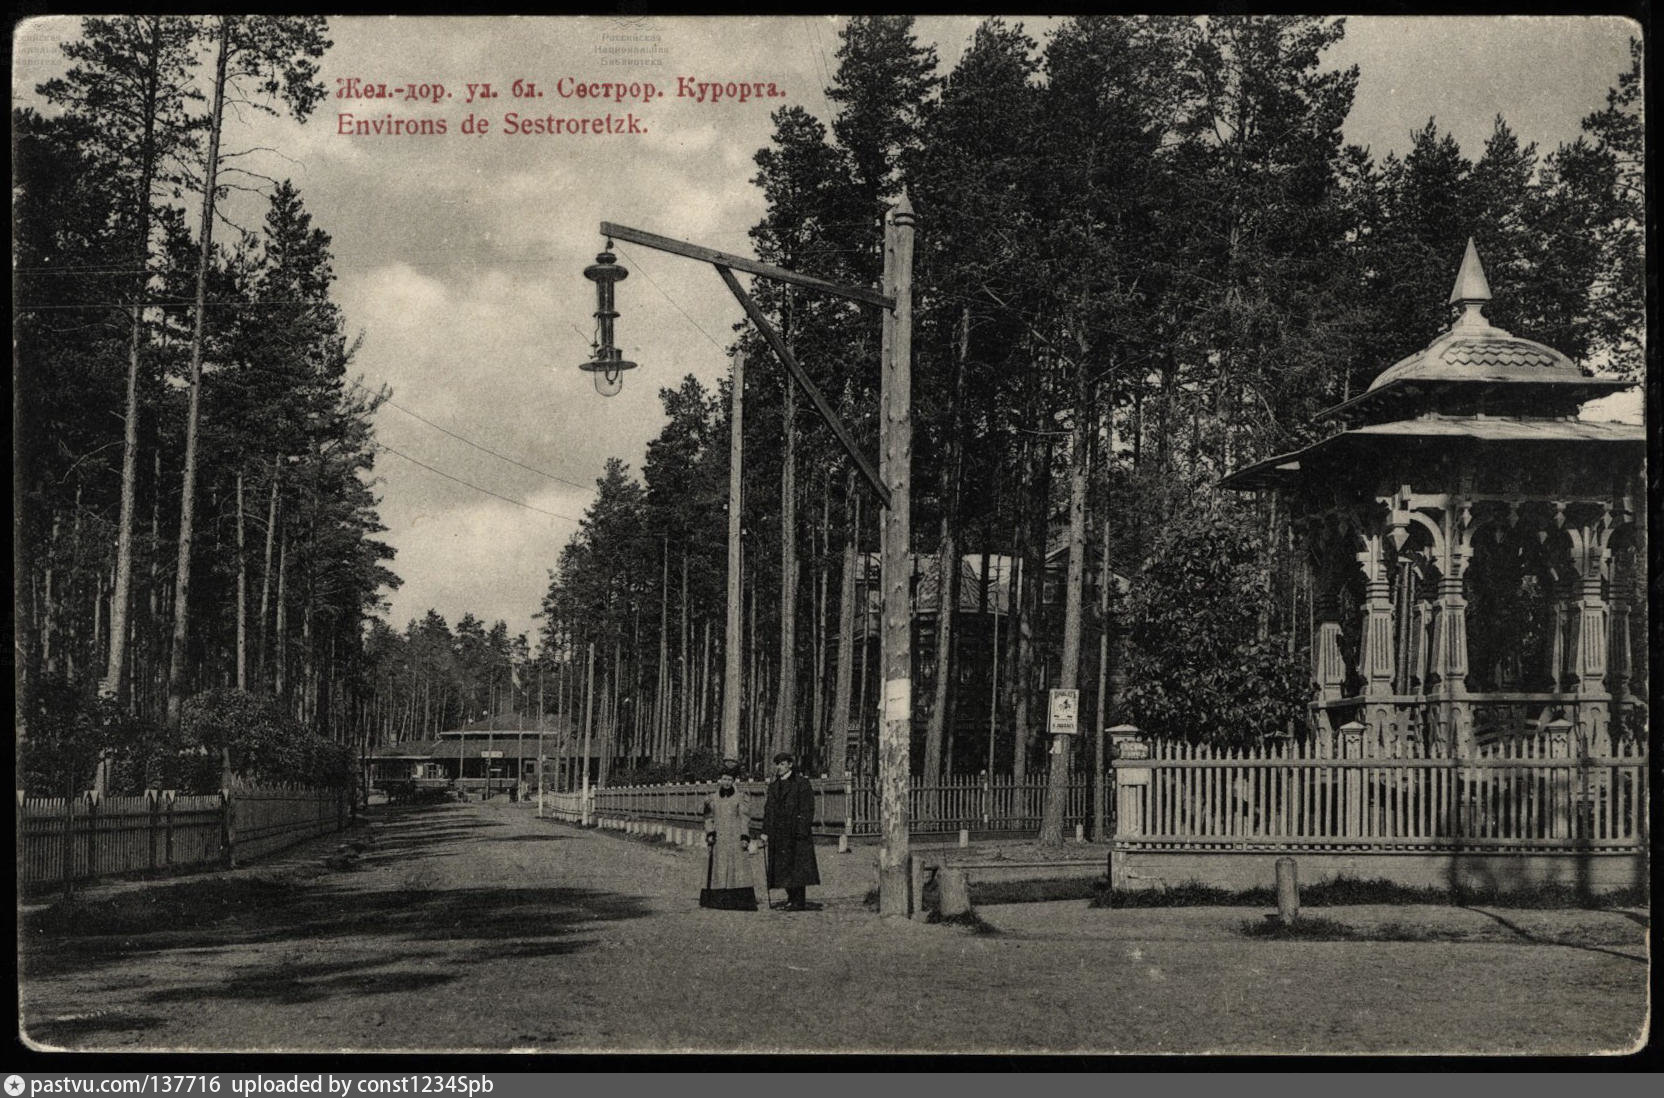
495, 752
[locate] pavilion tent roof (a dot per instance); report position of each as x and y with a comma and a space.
1473, 383
1406, 395
1277, 470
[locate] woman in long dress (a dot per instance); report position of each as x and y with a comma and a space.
728, 837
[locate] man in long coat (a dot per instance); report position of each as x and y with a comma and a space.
788, 833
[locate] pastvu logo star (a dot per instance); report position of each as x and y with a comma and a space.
14, 1085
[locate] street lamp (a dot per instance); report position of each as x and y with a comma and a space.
890, 483
609, 363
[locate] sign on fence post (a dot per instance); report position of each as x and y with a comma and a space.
1063, 715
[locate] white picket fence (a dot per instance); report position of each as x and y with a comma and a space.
1523, 796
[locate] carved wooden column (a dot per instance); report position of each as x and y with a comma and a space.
1375, 649
1453, 714
1590, 558
1328, 666
1326, 564
1620, 597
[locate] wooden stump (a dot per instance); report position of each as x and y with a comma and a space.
955, 890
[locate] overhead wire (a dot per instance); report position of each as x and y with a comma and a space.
467, 484
655, 283
476, 445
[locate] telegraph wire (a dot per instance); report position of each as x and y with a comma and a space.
655, 283
552, 514
478, 446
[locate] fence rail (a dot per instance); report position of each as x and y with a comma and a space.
845, 806
1527, 795
84, 838
1509, 799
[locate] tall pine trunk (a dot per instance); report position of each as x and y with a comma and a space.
280, 645
817, 696
122, 596
947, 572
784, 738
242, 591
187, 501
685, 729
661, 695
838, 735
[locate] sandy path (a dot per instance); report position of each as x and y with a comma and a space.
480, 927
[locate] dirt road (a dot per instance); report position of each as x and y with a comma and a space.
481, 927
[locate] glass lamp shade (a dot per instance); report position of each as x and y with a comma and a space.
608, 382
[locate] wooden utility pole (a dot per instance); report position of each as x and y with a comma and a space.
1101, 721
895, 738
895, 424
731, 638
589, 705
1051, 822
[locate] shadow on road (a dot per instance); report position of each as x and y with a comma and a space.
304, 935
69, 1030
1515, 928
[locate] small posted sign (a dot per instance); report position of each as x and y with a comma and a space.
1063, 718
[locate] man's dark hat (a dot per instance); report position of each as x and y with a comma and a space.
783, 757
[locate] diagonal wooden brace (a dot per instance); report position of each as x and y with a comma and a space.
830, 417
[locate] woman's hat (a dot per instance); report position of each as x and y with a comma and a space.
730, 767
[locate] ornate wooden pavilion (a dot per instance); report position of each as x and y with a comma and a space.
1476, 548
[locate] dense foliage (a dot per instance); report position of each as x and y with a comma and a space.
1144, 237
156, 433
1145, 254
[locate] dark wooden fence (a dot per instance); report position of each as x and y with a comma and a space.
84, 838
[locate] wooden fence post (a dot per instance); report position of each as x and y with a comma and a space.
1352, 811
168, 796
849, 810
68, 867
228, 829
153, 801
93, 799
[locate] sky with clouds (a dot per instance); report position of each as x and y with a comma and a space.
459, 257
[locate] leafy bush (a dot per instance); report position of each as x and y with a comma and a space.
1197, 667
68, 728
266, 744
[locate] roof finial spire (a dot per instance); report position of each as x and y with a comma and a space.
1471, 290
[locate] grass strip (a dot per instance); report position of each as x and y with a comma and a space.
1346, 891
